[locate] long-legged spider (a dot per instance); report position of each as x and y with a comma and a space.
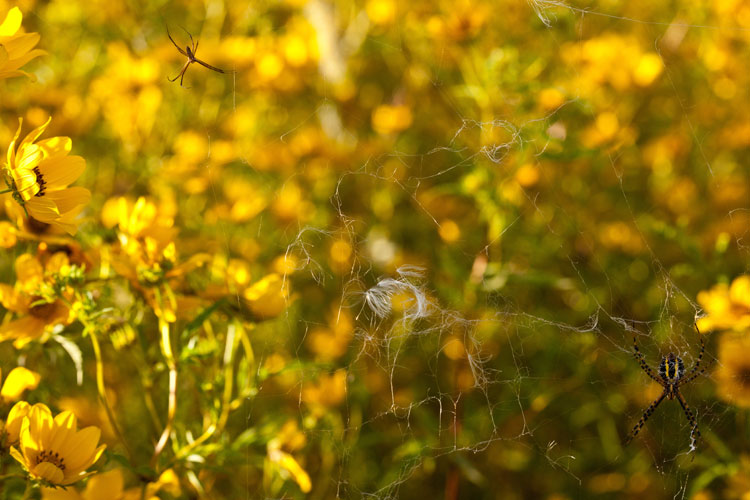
671, 377
189, 52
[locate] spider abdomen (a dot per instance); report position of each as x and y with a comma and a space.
671, 368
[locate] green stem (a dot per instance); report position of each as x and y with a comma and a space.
6, 191
139, 357
27, 491
103, 394
3, 468
166, 350
16, 475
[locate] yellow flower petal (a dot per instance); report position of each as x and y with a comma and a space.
267, 297
15, 419
105, 485
62, 421
39, 432
81, 450
29, 447
34, 134
17, 455
26, 183
61, 494
70, 198
739, 291
43, 209
12, 147
59, 171
48, 471
19, 48
12, 22
28, 269
286, 461
27, 327
56, 146
168, 482
19, 380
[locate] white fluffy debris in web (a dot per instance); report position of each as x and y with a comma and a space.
379, 298
542, 8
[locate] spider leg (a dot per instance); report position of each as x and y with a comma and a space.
644, 418
639, 356
193, 45
209, 66
175, 44
695, 434
181, 74
187, 65
694, 372
693, 375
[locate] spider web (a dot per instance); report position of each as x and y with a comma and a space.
549, 387
514, 399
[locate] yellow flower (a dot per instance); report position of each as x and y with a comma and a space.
15, 47
733, 373
290, 438
33, 299
89, 412
387, 119
40, 173
168, 482
727, 307
17, 382
8, 236
268, 297
329, 392
105, 486
147, 255
738, 483
54, 450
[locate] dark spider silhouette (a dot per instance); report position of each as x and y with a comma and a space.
671, 377
189, 52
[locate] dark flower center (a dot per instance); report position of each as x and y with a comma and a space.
51, 457
40, 180
43, 311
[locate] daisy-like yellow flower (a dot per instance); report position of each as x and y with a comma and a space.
733, 372
15, 47
727, 307
32, 298
54, 450
40, 173
147, 255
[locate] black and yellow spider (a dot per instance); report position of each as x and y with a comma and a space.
671, 377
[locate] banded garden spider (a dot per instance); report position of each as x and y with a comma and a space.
671, 377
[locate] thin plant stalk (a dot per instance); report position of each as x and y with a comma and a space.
166, 348
101, 389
